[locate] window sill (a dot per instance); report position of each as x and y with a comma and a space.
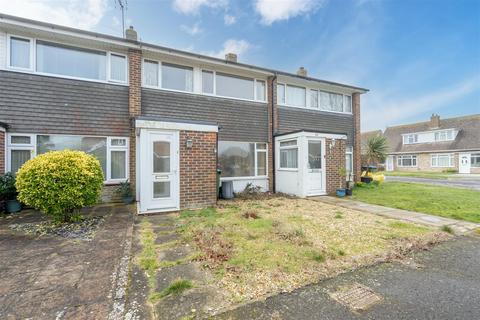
243, 178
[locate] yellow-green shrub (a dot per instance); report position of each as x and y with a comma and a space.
58, 182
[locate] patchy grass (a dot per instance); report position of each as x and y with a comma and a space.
455, 203
428, 175
447, 229
175, 287
291, 242
147, 260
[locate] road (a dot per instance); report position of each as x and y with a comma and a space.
463, 182
443, 283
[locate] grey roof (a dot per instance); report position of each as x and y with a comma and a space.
141, 44
3, 125
468, 137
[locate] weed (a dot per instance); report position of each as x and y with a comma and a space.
314, 255
447, 229
176, 287
250, 214
341, 253
338, 215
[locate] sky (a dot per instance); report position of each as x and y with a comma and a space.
416, 57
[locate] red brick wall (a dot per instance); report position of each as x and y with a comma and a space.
134, 104
357, 143
272, 126
335, 160
2, 151
198, 166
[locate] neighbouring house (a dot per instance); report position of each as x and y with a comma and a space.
166, 119
435, 145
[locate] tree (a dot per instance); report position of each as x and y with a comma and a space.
376, 150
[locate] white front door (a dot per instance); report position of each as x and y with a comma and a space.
464, 163
390, 163
315, 167
159, 160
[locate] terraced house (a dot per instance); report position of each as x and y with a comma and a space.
166, 119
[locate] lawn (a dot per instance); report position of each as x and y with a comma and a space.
261, 247
456, 203
428, 175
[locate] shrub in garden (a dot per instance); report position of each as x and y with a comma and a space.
60, 182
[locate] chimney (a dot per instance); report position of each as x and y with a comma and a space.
131, 34
302, 72
232, 57
434, 121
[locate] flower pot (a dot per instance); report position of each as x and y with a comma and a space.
341, 192
12, 206
366, 179
348, 191
127, 200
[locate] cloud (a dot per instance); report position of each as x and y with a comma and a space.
273, 10
229, 19
193, 6
83, 14
193, 30
239, 47
382, 109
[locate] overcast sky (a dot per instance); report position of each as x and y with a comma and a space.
416, 57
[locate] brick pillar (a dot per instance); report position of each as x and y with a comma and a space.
357, 142
134, 104
272, 128
3, 136
334, 161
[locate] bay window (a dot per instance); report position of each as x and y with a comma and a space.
175, 77
407, 161
288, 154
242, 159
443, 160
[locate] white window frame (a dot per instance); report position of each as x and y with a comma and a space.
159, 78
445, 132
280, 148
256, 176
214, 93
349, 152
474, 155
411, 156
451, 160
308, 97
33, 61
160, 84
33, 148
406, 138
109, 67
32, 54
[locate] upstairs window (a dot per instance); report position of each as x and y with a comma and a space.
175, 77
20, 53
314, 99
410, 138
207, 82
150, 73
118, 68
234, 86
260, 90
296, 96
445, 135
331, 101
281, 94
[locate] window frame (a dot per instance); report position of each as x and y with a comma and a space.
288, 147
474, 155
406, 156
32, 43
349, 152
256, 151
109, 67
406, 137
173, 64
451, 160
445, 132
33, 148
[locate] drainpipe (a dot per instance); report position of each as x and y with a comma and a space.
273, 135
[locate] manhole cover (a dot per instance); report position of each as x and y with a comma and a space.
356, 297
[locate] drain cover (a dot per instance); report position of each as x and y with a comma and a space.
356, 297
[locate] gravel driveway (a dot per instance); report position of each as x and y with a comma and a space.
460, 182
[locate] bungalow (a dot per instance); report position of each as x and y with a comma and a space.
165, 119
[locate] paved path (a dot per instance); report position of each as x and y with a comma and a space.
460, 182
47, 277
459, 227
443, 283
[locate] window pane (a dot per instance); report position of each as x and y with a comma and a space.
314, 98
236, 159
280, 94
95, 146
177, 77
118, 142
20, 139
118, 167
337, 102
19, 53
261, 163
296, 96
314, 155
118, 68
475, 160
150, 71
325, 101
288, 158
260, 86
262, 146
68, 61
348, 103
161, 189
348, 162
207, 82
161, 156
288, 143
18, 158
235, 87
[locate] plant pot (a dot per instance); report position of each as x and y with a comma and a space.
348, 191
340, 192
127, 200
12, 206
366, 179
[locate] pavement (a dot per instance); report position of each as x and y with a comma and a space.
463, 181
51, 277
443, 283
458, 226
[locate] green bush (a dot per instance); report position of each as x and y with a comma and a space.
60, 182
7, 187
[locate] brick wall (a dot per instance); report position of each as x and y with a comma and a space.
198, 166
272, 127
335, 160
357, 139
2, 151
134, 104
